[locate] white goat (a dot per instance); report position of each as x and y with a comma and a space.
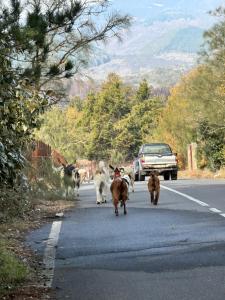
128, 172
101, 182
70, 179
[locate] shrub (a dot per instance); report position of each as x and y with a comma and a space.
14, 203
12, 271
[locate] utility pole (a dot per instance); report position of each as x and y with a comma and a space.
192, 157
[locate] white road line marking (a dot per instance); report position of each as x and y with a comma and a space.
186, 196
223, 215
215, 210
49, 253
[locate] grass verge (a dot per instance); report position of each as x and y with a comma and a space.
21, 275
12, 270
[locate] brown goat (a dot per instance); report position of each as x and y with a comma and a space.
119, 192
154, 187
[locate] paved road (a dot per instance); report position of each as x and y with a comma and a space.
173, 251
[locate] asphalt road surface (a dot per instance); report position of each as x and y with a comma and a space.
173, 251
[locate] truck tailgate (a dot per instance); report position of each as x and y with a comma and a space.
159, 160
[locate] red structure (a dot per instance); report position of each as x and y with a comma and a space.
41, 150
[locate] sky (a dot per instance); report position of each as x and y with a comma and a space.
157, 10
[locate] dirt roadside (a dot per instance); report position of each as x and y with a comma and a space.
14, 234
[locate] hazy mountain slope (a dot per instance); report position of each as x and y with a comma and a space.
187, 40
161, 45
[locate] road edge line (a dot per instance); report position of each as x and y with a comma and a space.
185, 196
50, 252
215, 210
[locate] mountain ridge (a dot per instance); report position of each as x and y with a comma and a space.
165, 39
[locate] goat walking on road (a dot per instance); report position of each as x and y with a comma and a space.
70, 179
119, 190
154, 187
101, 182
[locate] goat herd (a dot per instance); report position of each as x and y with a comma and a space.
120, 183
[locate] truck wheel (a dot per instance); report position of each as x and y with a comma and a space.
173, 176
141, 177
136, 177
167, 176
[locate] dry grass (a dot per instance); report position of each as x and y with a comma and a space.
220, 173
185, 174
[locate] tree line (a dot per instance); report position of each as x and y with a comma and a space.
109, 124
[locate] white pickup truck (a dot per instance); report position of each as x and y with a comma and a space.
155, 156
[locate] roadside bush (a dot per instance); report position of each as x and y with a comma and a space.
12, 271
211, 145
44, 180
14, 203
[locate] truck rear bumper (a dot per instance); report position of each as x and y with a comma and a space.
160, 170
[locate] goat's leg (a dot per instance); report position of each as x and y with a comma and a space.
66, 191
124, 208
75, 192
156, 197
104, 198
104, 193
152, 197
70, 191
131, 182
76, 189
116, 207
132, 185
62, 187
88, 176
98, 195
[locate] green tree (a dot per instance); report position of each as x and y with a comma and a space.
211, 129
20, 105
213, 56
60, 129
211, 140
144, 91
137, 127
101, 112
77, 103
19, 110
213, 51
